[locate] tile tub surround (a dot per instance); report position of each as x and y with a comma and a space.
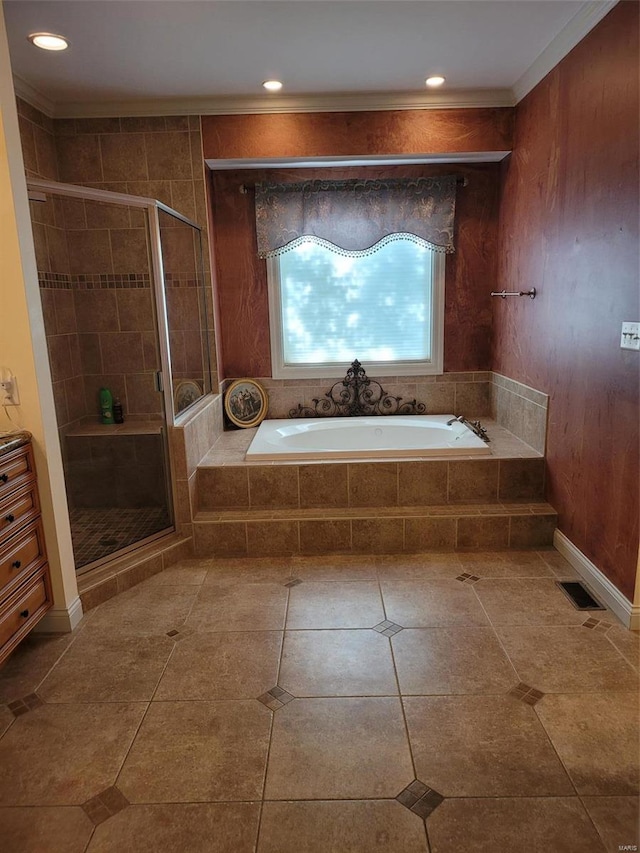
162, 692
251, 508
463, 393
520, 409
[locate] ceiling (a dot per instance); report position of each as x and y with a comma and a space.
137, 56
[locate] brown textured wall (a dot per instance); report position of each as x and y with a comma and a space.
241, 275
569, 226
357, 134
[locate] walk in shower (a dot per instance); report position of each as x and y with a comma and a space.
125, 308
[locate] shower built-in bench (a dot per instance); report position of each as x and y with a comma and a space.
389, 506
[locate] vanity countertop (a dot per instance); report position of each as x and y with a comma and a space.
9, 441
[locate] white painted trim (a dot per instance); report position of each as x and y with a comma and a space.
60, 620
610, 595
578, 27
331, 103
363, 160
32, 96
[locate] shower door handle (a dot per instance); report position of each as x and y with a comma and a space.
159, 382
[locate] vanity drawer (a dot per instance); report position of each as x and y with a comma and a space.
24, 609
17, 509
16, 468
20, 555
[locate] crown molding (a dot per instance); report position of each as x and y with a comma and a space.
32, 96
576, 29
348, 102
569, 36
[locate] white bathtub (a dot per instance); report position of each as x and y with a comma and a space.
386, 436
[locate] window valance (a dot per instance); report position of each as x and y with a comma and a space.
355, 215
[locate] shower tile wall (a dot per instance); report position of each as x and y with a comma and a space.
184, 295
157, 157
96, 295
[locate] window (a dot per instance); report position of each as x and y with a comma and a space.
356, 271
384, 307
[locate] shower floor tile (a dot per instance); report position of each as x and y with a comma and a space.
215, 707
97, 533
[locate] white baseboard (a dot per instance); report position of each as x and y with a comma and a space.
60, 620
605, 591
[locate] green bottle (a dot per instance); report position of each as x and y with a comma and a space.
106, 406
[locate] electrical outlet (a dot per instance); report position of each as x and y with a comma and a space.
8, 388
630, 337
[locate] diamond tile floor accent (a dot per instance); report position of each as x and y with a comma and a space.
527, 694
24, 705
389, 629
104, 805
142, 727
597, 624
276, 698
420, 799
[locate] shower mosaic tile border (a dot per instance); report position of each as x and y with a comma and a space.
62, 281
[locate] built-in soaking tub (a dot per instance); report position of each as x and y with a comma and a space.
387, 436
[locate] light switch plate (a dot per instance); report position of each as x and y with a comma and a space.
630, 337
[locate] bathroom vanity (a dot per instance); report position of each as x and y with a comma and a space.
25, 586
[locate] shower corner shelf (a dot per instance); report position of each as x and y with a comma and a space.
131, 428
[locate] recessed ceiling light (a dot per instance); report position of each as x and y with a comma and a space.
48, 41
434, 81
272, 85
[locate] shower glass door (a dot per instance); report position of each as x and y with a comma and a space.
96, 284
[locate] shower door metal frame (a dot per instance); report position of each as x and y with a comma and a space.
152, 206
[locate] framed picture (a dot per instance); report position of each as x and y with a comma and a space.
246, 403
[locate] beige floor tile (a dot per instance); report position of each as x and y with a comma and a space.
373, 826
239, 665
240, 607
30, 663
52, 829
338, 749
567, 660
337, 663
597, 737
65, 754
98, 668
451, 660
432, 604
143, 611
329, 604
617, 820
627, 642
506, 564
6, 719
482, 746
338, 568
248, 570
518, 825
529, 601
180, 828
198, 752
560, 567
418, 566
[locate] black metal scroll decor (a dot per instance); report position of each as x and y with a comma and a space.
357, 396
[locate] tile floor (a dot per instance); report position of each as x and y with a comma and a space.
424, 704
96, 533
